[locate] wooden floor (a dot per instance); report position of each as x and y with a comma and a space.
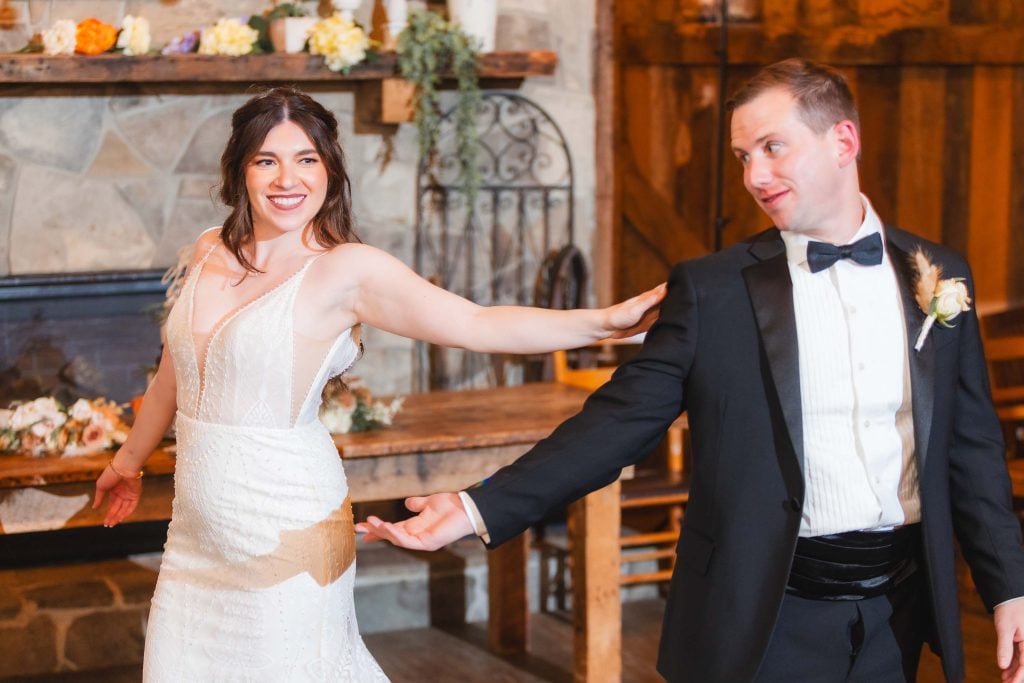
461, 656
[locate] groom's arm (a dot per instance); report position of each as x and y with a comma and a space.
980, 494
619, 425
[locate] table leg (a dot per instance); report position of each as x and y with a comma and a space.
594, 523
508, 621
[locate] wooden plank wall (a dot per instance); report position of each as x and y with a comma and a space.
940, 85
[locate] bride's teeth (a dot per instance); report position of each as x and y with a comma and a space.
289, 201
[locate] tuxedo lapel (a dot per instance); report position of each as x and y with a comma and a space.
922, 363
771, 295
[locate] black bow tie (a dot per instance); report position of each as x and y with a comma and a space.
866, 251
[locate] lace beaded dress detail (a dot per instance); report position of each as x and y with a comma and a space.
257, 574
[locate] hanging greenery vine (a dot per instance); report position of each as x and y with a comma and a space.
428, 46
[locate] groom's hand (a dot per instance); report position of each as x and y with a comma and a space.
442, 519
1009, 621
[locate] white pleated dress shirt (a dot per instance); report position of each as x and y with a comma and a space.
859, 467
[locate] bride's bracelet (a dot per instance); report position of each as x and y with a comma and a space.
110, 464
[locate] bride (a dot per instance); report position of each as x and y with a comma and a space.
257, 573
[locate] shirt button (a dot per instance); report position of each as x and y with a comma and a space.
860, 366
867, 423
853, 309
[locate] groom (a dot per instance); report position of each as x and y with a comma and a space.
837, 451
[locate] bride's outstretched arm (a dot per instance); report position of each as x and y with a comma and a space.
392, 297
120, 478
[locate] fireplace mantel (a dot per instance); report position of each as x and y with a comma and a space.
20, 69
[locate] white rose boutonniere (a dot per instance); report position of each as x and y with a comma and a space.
940, 300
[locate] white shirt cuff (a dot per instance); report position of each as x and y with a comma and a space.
475, 520
1004, 602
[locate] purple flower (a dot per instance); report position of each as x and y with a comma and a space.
182, 44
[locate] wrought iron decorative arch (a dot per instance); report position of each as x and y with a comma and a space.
492, 251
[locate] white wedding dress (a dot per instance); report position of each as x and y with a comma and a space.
257, 573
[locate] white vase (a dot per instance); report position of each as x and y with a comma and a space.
289, 34
346, 7
398, 17
478, 18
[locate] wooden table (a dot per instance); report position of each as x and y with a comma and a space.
440, 441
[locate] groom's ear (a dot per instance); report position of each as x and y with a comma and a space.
846, 139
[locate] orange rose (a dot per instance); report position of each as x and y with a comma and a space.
93, 37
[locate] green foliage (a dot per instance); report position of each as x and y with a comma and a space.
287, 9
262, 27
429, 45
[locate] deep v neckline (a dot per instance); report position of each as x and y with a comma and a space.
225, 320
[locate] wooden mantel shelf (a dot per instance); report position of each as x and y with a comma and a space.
190, 68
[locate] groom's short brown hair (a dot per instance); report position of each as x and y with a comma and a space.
821, 92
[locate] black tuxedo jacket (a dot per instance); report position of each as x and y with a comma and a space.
725, 349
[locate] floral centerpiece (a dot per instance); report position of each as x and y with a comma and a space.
351, 408
45, 426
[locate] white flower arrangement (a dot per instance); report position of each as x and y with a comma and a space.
44, 426
342, 42
353, 409
941, 300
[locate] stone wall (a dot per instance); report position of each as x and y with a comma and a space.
93, 178
79, 617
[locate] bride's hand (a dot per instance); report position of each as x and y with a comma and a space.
635, 315
124, 496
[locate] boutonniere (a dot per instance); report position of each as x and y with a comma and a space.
940, 300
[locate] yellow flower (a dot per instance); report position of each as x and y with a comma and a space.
342, 42
227, 37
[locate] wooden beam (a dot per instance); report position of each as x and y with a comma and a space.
508, 608
655, 219
693, 44
989, 222
608, 115
922, 141
113, 68
594, 523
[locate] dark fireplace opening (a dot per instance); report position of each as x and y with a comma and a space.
79, 335
81, 544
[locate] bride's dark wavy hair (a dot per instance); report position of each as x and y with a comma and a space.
250, 125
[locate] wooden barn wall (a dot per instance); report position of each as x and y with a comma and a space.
940, 84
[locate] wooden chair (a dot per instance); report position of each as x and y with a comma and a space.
1004, 348
658, 482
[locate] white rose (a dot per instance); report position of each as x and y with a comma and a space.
43, 428
27, 414
337, 421
134, 38
59, 39
5, 418
380, 413
951, 299
81, 411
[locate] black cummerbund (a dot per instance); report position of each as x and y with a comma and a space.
854, 565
